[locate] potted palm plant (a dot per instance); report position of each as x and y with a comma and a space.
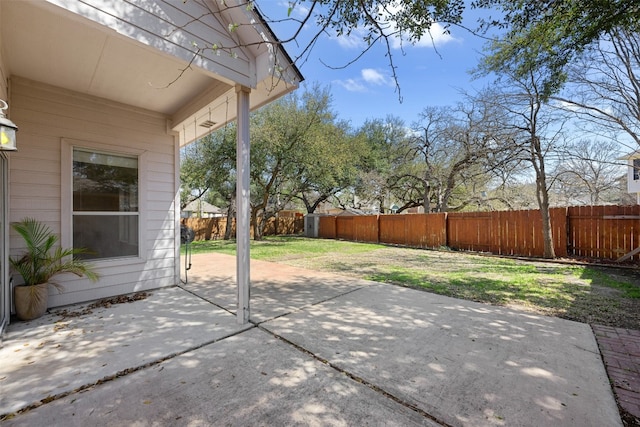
39, 264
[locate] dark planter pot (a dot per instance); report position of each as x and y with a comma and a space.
31, 301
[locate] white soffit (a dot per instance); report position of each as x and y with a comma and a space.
46, 43
53, 46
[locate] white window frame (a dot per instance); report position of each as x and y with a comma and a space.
66, 238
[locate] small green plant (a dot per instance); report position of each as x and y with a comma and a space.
40, 261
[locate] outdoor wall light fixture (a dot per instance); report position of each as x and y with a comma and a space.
8, 130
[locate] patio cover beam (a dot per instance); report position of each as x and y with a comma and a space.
243, 207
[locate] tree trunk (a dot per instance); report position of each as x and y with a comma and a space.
427, 198
228, 231
543, 202
257, 234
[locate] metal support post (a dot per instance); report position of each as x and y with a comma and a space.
243, 211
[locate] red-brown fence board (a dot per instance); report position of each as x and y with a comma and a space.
559, 230
505, 235
606, 232
327, 227
283, 225
469, 231
214, 228
392, 229
605, 245
365, 228
513, 234
426, 231
436, 230
208, 228
530, 241
344, 228
415, 228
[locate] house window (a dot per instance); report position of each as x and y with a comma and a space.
636, 169
105, 213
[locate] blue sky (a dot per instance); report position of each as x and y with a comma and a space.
364, 90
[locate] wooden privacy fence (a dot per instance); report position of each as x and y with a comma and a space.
603, 232
214, 228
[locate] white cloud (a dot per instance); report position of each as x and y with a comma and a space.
352, 85
299, 9
368, 77
374, 77
566, 106
435, 37
355, 40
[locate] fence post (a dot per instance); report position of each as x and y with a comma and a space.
446, 229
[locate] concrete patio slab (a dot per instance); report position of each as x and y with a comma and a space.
54, 355
329, 350
276, 289
465, 363
251, 379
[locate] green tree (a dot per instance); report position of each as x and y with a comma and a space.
207, 171
372, 187
449, 157
590, 173
327, 166
292, 156
547, 35
603, 87
538, 34
537, 131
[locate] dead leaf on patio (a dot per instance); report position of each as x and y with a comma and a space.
147, 402
103, 303
60, 325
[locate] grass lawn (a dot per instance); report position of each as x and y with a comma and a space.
590, 294
278, 248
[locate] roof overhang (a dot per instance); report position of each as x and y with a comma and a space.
630, 156
104, 50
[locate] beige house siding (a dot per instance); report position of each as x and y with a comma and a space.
53, 120
633, 186
3, 81
3, 72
